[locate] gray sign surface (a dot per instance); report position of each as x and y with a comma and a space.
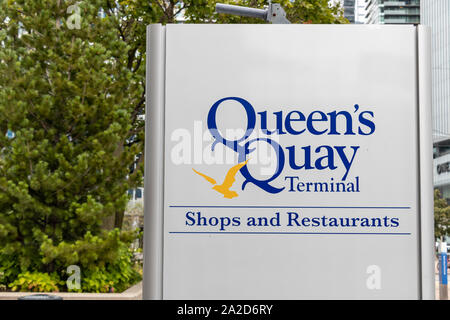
289, 163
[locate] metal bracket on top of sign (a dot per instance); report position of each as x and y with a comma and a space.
274, 13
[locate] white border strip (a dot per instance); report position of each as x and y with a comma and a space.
426, 163
154, 163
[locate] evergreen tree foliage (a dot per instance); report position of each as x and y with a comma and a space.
71, 95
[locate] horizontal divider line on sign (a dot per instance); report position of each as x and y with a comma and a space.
290, 207
262, 232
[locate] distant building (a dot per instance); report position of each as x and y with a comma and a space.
392, 12
436, 14
136, 195
349, 9
354, 10
360, 11
441, 166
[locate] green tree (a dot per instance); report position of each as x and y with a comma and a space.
441, 216
203, 11
71, 92
72, 79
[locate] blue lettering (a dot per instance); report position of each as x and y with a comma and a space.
311, 120
290, 118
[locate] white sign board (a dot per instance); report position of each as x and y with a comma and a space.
288, 162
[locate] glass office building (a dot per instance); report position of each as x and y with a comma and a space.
392, 12
441, 167
360, 11
436, 14
348, 7
349, 10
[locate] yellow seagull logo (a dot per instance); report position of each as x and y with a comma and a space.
224, 188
